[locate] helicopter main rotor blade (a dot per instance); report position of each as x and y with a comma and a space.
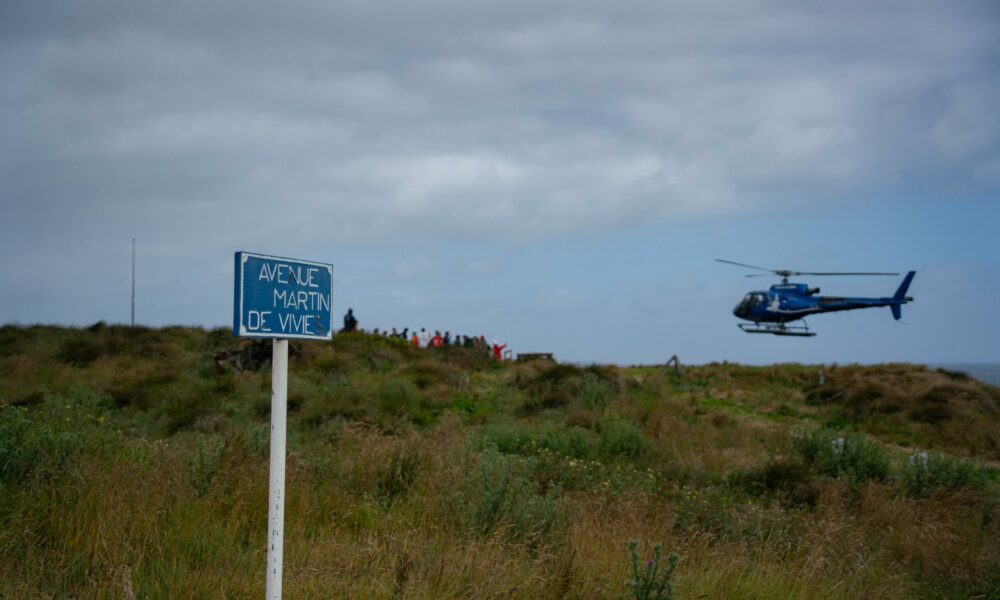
744, 265
824, 274
790, 273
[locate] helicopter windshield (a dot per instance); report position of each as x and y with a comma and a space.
749, 301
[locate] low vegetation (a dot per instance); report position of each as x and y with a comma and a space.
134, 461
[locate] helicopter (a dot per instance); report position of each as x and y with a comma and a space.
773, 310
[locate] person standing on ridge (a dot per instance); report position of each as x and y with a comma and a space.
498, 350
350, 323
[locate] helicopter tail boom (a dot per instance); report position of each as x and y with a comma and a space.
900, 298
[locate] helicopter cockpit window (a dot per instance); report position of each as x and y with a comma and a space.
748, 302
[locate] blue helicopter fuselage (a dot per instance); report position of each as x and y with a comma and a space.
786, 302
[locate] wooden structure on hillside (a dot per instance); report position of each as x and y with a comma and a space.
676, 362
528, 356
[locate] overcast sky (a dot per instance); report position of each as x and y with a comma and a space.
557, 175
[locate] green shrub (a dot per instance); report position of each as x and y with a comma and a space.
508, 439
337, 399
46, 440
651, 580
851, 456
16, 456
593, 476
595, 393
401, 398
619, 437
924, 472
497, 494
572, 442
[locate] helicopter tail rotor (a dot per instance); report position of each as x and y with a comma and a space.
900, 298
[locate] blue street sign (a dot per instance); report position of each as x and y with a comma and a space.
282, 298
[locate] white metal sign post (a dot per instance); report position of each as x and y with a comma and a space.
276, 483
280, 298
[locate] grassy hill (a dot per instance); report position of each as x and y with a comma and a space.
134, 464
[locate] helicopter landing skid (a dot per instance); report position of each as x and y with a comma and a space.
777, 329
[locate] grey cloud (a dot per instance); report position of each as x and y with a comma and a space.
203, 127
464, 118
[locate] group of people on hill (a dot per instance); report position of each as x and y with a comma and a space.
423, 339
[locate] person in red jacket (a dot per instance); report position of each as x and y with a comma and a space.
498, 350
437, 341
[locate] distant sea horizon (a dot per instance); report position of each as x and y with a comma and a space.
985, 372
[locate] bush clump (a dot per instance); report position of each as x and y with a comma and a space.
497, 494
851, 456
595, 392
924, 472
28, 445
571, 442
15, 455
620, 437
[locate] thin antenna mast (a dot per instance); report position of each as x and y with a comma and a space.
133, 282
